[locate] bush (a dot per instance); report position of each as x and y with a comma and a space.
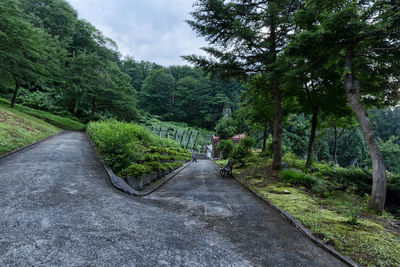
297, 177
393, 193
136, 170
225, 128
125, 146
361, 178
226, 148
239, 155
247, 142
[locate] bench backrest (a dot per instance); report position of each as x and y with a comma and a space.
230, 164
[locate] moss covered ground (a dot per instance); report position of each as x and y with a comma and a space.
338, 217
18, 129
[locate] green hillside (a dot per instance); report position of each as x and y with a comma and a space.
19, 129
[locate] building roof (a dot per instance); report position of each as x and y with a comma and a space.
238, 137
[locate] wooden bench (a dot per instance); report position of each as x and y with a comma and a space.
227, 170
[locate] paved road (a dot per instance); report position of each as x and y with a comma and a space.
58, 208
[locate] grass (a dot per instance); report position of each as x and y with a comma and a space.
18, 129
56, 120
338, 217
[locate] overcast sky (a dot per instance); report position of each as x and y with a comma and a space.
150, 30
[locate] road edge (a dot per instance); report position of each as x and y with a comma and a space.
30, 145
299, 226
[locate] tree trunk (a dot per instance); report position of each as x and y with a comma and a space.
378, 194
76, 105
335, 144
277, 138
14, 97
264, 144
93, 109
314, 122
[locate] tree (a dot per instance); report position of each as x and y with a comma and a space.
257, 106
27, 53
315, 89
157, 92
246, 37
56, 17
226, 128
361, 40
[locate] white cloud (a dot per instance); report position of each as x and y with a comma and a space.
151, 30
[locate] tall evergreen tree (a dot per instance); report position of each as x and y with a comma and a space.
246, 37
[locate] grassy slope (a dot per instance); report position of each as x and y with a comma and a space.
58, 121
372, 241
18, 129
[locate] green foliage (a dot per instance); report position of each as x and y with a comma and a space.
226, 147
391, 153
297, 177
157, 92
136, 170
239, 155
124, 146
226, 128
179, 130
361, 178
393, 193
351, 212
247, 142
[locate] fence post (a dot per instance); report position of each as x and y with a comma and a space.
190, 137
183, 134
197, 138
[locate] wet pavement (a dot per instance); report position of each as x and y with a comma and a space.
58, 208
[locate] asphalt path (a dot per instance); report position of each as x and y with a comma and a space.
58, 208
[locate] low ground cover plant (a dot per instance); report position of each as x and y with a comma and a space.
131, 150
332, 202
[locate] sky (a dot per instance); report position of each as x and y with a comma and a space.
150, 30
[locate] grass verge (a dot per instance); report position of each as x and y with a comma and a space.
56, 120
18, 129
337, 217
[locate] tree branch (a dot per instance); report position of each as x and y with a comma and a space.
377, 49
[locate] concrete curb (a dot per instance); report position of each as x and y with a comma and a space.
120, 183
299, 226
123, 186
30, 145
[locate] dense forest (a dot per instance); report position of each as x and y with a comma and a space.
52, 60
265, 66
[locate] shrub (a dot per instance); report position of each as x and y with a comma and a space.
247, 142
124, 146
226, 148
361, 178
239, 154
393, 193
351, 212
225, 128
136, 170
297, 177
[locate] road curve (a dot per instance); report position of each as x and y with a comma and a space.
58, 208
